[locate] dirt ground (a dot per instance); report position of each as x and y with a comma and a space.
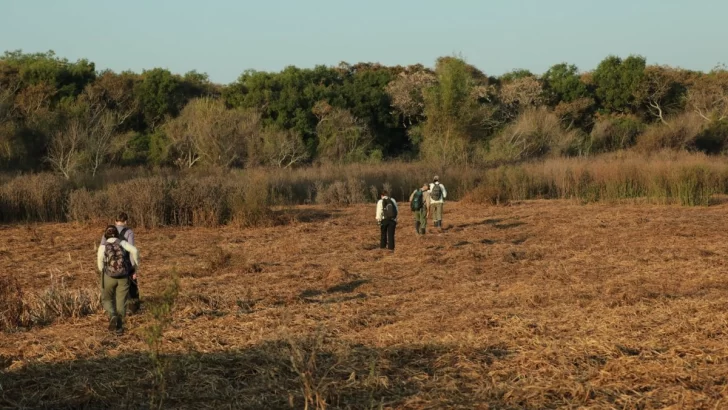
541, 304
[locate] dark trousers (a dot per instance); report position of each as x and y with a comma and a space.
133, 300
387, 231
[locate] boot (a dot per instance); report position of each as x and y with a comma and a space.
114, 322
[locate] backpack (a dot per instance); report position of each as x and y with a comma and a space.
389, 210
127, 257
436, 192
114, 263
416, 203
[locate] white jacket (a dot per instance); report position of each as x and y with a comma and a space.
444, 194
133, 253
380, 208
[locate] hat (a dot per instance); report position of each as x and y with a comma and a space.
436, 178
425, 186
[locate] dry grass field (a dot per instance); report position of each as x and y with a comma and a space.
540, 304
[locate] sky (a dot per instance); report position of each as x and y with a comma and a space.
223, 38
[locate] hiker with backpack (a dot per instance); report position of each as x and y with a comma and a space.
387, 211
127, 234
438, 193
115, 272
420, 206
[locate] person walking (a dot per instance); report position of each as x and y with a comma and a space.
110, 260
420, 206
386, 215
127, 234
438, 193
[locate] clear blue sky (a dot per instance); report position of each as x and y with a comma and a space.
225, 37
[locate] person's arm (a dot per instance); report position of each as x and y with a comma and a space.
130, 237
103, 240
379, 210
395, 204
100, 258
412, 195
133, 252
444, 191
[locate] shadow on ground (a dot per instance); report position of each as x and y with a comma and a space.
271, 375
307, 215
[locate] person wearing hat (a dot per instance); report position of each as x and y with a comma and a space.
420, 205
438, 193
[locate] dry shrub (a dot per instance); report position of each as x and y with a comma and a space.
200, 201
694, 185
681, 133
714, 138
537, 132
335, 193
250, 201
687, 179
85, 205
144, 199
218, 259
613, 133
38, 197
21, 309
60, 302
11, 304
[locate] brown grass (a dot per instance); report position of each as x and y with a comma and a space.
665, 177
543, 304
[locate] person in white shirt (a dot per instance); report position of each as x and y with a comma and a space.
127, 234
111, 262
438, 193
387, 211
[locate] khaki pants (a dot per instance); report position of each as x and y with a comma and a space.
436, 212
421, 220
114, 293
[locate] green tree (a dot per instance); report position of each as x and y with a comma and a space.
562, 84
617, 82
160, 95
454, 117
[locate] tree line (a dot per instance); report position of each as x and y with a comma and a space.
71, 118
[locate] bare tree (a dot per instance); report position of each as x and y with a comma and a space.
342, 137
206, 131
407, 94
708, 96
102, 139
34, 98
65, 151
284, 149
662, 91
112, 92
520, 94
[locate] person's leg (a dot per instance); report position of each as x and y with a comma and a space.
390, 235
437, 214
122, 294
383, 235
132, 303
107, 295
423, 220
